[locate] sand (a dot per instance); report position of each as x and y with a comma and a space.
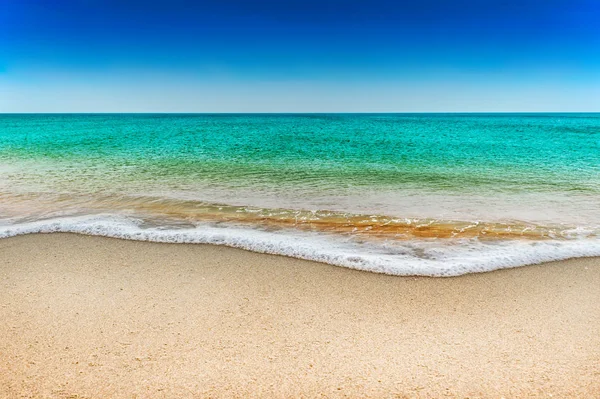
93, 317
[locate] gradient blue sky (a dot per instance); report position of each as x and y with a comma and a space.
299, 56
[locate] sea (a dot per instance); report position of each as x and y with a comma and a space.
402, 194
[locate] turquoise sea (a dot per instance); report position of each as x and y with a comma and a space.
406, 194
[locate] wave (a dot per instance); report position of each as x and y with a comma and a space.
422, 257
367, 226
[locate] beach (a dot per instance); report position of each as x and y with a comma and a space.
299, 199
96, 317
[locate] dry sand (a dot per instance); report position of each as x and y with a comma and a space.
104, 318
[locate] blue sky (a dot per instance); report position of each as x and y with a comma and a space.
299, 56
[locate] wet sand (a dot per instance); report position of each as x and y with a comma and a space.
95, 317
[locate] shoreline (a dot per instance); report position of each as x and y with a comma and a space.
426, 257
105, 317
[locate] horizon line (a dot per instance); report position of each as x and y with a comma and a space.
298, 113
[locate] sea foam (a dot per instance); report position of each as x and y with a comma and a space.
435, 257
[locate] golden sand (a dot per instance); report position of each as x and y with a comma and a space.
91, 317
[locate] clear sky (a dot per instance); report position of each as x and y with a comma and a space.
299, 56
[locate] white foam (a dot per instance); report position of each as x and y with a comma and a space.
434, 257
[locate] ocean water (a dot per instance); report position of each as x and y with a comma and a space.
404, 194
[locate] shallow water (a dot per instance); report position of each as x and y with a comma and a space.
429, 194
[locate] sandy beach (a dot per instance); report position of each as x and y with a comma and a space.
92, 317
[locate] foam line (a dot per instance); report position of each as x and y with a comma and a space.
446, 257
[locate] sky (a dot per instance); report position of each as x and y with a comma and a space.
299, 56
